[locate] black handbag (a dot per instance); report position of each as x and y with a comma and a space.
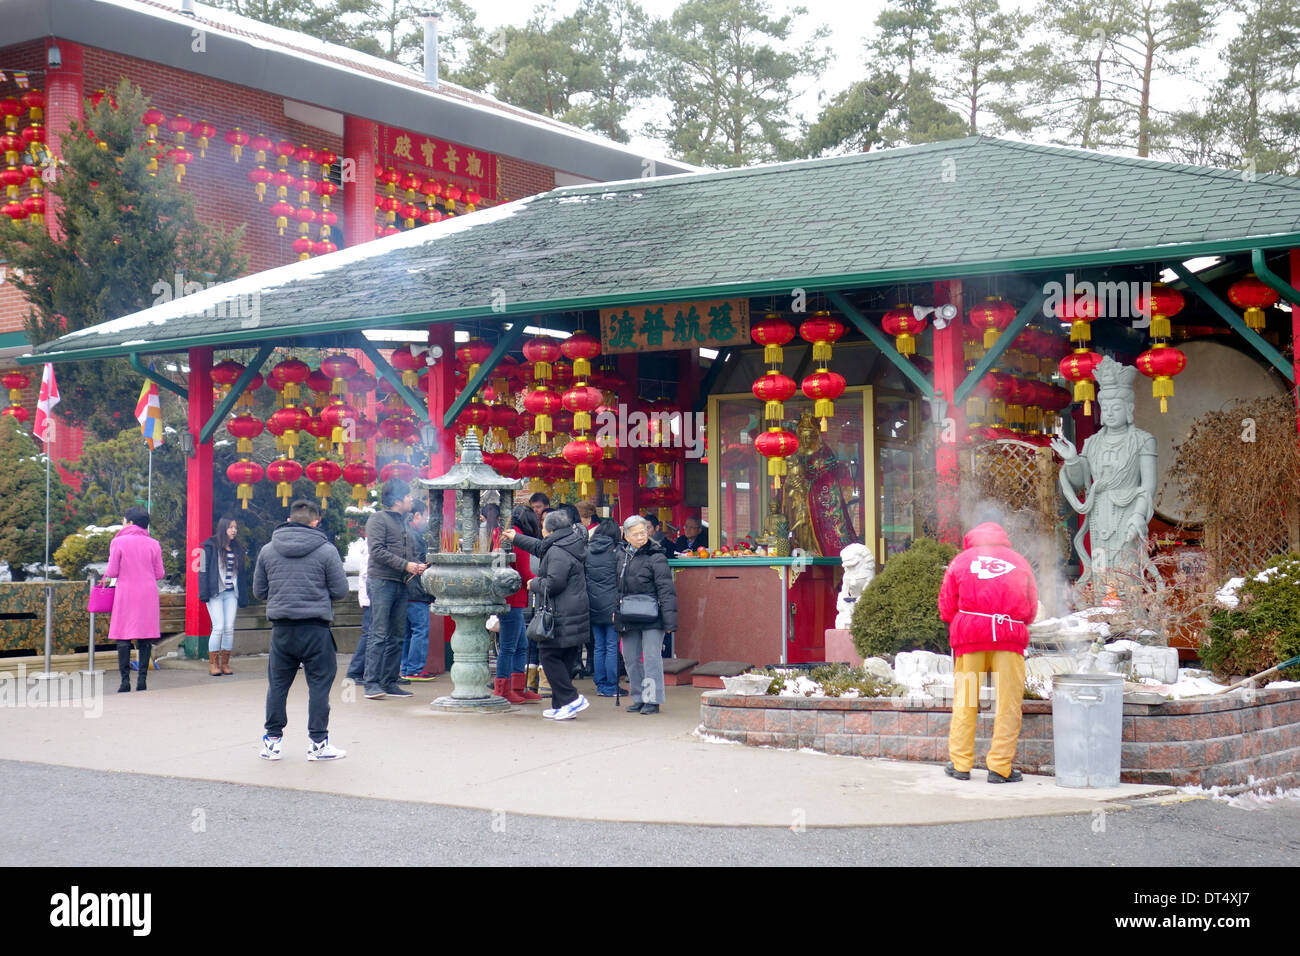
636, 608
542, 626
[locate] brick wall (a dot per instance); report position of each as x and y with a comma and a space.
520, 178
1225, 742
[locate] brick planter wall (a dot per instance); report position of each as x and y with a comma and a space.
1210, 742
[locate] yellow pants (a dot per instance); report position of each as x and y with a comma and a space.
1008, 670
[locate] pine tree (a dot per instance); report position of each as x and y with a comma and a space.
334, 21
895, 103
124, 234
729, 86
980, 47
22, 499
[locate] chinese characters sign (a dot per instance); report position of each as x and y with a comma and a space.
675, 325
436, 158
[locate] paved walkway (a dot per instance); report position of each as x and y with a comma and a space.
605, 765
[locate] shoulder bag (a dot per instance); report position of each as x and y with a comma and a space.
542, 627
101, 599
636, 608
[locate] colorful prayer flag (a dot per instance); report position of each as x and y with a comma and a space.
43, 426
148, 412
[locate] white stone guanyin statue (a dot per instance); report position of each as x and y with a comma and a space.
859, 569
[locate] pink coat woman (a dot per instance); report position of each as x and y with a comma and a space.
135, 560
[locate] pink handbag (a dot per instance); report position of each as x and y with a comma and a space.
101, 599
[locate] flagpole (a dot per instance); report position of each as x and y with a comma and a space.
148, 505
46, 566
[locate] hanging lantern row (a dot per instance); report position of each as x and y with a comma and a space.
823, 386
17, 145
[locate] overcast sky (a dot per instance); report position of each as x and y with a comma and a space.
851, 23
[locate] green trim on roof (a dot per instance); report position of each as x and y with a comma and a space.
12, 340
873, 219
1272, 279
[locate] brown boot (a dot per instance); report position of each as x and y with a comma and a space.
225, 663
214, 667
530, 680
519, 687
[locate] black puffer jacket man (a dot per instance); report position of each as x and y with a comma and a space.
300, 575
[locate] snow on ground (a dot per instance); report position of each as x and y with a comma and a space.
1256, 798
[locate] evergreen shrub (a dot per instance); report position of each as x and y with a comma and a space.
899, 610
1263, 629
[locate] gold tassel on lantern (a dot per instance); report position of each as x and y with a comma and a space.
284, 490
776, 470
823, 408
1086, 393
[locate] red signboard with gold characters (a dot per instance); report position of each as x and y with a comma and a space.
433, 158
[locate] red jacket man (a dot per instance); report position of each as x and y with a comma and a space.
989, 598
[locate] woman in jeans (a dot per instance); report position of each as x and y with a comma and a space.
223, 562
643, 569
602, 595
512, 659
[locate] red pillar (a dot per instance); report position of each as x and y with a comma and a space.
359, 194
441, 385
627, 395
64, 95
1295, 330
949, 371
198, 486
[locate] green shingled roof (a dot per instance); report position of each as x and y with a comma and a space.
963, 207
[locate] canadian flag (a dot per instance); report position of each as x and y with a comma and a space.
43, 426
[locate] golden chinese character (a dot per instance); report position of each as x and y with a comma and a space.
427, 149
474, 166
451, 159
403, 147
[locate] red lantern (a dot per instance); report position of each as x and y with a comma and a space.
583, 453
1077, 367
359, 474
15, 211
901, 322
261, 145
281, 211
303, 246
505, 464
472, 354
319, 429
409, 364
1161, 363
1079, 312
34, 100
581, 400
236, 139
244, 474
503, 420
533, 467
1160, 306
542, 352
772, 332
244, 428
823, 330
992, 317
774, 389
397, 469
342, 419
400, 431
16, 412
284, 472
324, 472
179, 125
1253, 295
15, 382
259, 177
542, 403
824, 387
340, 368
203, 132
35, 206
776, 445
225, 374
292, 372
326, 158
362, 383
319, 383
289, 421
450, 195
580, 348
153, 118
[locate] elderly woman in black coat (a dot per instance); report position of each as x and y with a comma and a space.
561, 579
643, 569
602, 594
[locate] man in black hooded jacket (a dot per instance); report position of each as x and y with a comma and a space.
300, 575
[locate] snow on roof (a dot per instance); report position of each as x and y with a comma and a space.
276, 39
258, 282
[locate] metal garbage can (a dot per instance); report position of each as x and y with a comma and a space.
1087, 725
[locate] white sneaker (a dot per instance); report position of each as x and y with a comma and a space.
573, 708
550, 712
325, 751
270, 748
